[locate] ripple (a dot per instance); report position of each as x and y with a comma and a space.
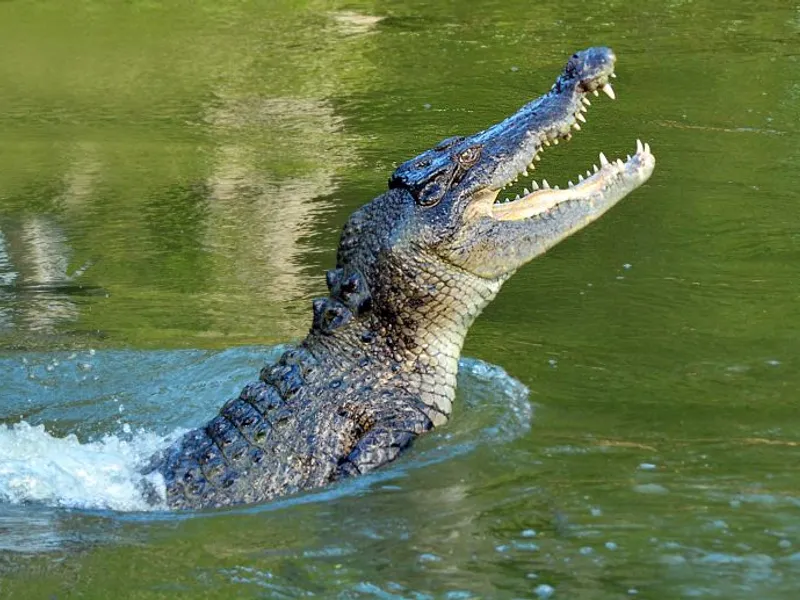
100, 471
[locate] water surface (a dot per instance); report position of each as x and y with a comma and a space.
174, 177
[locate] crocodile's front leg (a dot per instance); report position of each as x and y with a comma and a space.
387, 430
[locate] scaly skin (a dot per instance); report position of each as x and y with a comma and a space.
415, 268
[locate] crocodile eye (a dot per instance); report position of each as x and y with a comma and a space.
469, 156
432, 193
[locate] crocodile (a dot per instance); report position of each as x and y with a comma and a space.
414, 268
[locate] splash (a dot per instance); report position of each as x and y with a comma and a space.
38, 467
164, 394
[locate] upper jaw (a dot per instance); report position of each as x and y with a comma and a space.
544, 122
512, 147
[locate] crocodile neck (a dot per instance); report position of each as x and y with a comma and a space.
410, 334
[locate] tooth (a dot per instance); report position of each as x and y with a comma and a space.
588, 173
639, 147
580, 117
534, 185
609, 91
547, 143
525, 173
586, 101
526, 191
570, 183
595, 92
647, 147
517, 198
537, 158
555, 187
576, 126
628, 158
569, 136
555, 141
545, 185
603, 160
595, 168
580, 177
619, 163
614, 75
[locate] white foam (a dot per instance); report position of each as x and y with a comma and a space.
38, 467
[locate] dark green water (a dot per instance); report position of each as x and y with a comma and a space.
174, 176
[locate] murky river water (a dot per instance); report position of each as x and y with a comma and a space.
173, 178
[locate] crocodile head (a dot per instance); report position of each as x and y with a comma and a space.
435, 249
461, 213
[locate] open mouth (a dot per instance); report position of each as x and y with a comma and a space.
543, 198
610, 178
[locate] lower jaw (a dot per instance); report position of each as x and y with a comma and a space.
544, 198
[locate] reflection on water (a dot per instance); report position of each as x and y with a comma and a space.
257, 218
7, 277
355, 23
214, 214
36, 287
243, 229
81, 176
37, 280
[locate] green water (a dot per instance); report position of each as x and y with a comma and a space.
175, 175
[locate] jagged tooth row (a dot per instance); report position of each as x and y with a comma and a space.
640, 148
606, 89
579, 117
525, 172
